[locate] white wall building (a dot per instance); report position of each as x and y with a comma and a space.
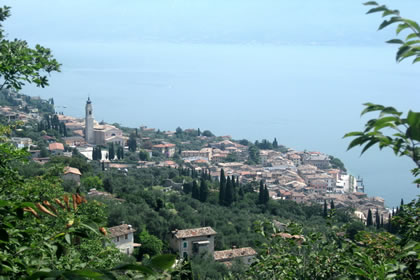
122, 237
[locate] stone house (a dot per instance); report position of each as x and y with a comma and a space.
189, 242
72, 174
246, 255
122, 237
56, 148
167, 150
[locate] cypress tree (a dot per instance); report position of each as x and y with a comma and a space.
241, 192
325, 213
261, 193
204, 191
94, 153
332, 206
198, 132
132, 142
377, 220
195, 190
99, 153
111, 151
187, 188
389, 223
229, 192
382, 221
64, 130
369, 221
275, 144
234, 188
222, 187
266, 195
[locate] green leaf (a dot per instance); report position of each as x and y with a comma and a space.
412, 36
413, 118
413, 24
163, 262
395, 41
401, 51
416, 59
67, 238
377, 9
354, 133
368, 145
385, 23
370, 107
357, 142
371, 3
401, 27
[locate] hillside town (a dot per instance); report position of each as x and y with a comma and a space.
301, 176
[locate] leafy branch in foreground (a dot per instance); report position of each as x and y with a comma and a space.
410, 46
20, 64
390, 130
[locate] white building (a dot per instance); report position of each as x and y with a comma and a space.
122, 237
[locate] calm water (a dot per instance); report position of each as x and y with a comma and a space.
306, 96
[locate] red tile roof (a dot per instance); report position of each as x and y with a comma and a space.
233, 253
56, 146
193, 232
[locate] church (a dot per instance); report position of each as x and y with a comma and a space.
101, 134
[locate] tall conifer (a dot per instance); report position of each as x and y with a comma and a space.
369, 221
261, 193
229, 192
204, 191
195, 190
325, 213
222, 187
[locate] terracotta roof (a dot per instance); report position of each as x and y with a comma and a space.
194, 232
120, 230
164, 146
233, 253
72, 170
56, 146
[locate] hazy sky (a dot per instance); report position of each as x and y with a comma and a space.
203, 21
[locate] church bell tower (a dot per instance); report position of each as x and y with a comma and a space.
89, 136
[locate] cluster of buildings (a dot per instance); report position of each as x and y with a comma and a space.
186, 243
190, 242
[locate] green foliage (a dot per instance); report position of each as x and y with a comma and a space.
20, 64
391, 130
132, 143
254, 155
410, 46
92, 182
150, 245
143, 155
337, 163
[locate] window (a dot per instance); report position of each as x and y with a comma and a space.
185, 244
126, 236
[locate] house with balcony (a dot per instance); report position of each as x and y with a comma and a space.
189, 242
